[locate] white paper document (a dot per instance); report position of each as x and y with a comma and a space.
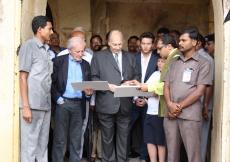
130, 91
96, 85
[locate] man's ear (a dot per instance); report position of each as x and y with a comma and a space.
69, 50
39, 29
169, 46
199, 43
194, 42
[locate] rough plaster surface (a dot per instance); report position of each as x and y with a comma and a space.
9, 22
73, 13
135, 18
216, 153
30, 9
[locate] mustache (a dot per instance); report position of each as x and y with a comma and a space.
96, 46
181, 47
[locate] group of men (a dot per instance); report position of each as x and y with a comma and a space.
185, 91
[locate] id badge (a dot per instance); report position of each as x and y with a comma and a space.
187, 76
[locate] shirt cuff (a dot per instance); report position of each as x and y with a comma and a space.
60, 99
134, 99
92, 100
87, 96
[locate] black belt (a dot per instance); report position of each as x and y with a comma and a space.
72, 99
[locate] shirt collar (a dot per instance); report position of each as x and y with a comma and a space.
201, 50
71, 59
195, 56
39, 44
117, 54
143, 55
173, 51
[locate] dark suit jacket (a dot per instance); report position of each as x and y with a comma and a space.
104, 68
152, 66
60, 74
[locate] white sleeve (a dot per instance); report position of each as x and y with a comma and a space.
92, 100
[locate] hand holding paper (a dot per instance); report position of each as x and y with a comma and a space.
112, 87
88, 91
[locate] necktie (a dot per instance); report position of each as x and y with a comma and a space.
116, 58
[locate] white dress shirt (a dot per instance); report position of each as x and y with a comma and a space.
144, 66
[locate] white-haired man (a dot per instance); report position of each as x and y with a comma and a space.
70, 108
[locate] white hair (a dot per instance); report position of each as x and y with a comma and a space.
75, 41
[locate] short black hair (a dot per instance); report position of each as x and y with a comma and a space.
201, 39
107, 35
167, 39
95, 36
133, 37
193, 34
176, 32
39, 21
163, 30
147, 35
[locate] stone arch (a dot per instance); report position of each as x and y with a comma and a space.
15, 23
55, 13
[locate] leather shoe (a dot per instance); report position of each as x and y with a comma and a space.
134, 154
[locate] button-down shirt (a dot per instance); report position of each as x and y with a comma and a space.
207, 56
74, 75
34, 59
201, 75
87, 57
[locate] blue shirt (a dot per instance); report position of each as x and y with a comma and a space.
74, 75
61, 49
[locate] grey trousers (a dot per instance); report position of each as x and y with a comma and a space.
67, 118
114, 125
205, 134
34, 136
186, 130
85, 122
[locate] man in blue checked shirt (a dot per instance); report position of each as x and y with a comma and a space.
70, 108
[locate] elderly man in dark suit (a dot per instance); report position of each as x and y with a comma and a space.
70, 109
115, 66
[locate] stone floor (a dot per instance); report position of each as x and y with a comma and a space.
97, 160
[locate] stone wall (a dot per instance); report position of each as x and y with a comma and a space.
135, 17
10, 22
30, 9
68, 14
132, 17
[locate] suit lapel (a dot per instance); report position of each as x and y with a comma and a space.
138, 58
111, 59
124, 62
65, 69
150, 67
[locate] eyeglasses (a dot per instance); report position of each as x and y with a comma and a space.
159, 48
